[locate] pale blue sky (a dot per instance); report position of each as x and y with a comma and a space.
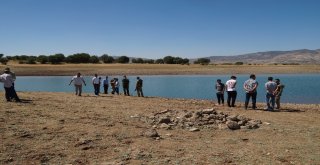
157, 28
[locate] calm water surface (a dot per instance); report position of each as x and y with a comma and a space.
299, 88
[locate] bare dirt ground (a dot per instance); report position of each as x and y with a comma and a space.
61, 128
154, 69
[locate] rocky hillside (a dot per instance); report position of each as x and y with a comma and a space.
303, 56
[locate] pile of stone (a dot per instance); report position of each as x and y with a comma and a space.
202, 119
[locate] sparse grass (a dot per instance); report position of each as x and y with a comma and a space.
60, 128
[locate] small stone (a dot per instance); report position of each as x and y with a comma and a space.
233, 118
208, 111
266, 123
135, 116
151, 133
194, 129
222, 126
233, 125
165, 126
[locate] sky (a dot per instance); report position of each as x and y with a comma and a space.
157, 28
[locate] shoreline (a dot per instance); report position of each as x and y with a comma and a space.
239, 104
156, 69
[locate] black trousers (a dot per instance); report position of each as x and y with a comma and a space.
254, 99
126, 91
11, 94
232, 96
220, 97
105, 87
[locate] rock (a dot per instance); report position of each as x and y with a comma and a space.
208, 111
166, 120
151, 133
252, 126
222, 126
241, 123
242, 118
233, 118
135, 116
165, 126
188, 115
266, 123
233, 125
194, 129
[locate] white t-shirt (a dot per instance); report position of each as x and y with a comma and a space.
77, 80
7, 80
95, 80
231, 85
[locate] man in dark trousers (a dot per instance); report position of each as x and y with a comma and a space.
8, 84
125, 85
139, 87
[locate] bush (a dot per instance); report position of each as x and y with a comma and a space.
238, 63
31, 60
78, 58
159, 61
4, 60
107, 59
202, 61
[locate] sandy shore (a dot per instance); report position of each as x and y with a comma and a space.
61, 128
156, 69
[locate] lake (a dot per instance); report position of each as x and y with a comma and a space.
299, 88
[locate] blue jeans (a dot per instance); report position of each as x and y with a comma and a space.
254, 100
270, 98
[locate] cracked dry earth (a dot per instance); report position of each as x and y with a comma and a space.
60, 128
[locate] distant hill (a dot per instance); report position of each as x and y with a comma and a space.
302, 56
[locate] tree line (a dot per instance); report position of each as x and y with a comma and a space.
87, 58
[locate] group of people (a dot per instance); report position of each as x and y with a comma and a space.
273, 92
78, 80
8, 78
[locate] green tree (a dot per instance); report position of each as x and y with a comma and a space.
42, 59
78, 58
238, 63
56, 59
94, 59
168, 60
107, 59
159, 61
123, 59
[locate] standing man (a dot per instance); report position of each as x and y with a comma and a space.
139, 87
220, 87
8, 81
232, 92
116, 85
270, 97
125, 85
96, 84
250, 86
278, 93
13, 75
106, 85
77, 81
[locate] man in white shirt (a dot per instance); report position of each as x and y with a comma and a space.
231, 90
96, 84
8, 81
77, 81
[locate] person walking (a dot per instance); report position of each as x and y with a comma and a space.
77, 81
250, 86
139, 87
13, 75
106, 85
270, 97
278, 93
220, 88
116, 85
231, 90
125, 85
8, 84
96, 84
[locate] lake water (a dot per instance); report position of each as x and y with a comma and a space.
299, 88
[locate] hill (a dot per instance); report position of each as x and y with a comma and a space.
302, 56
